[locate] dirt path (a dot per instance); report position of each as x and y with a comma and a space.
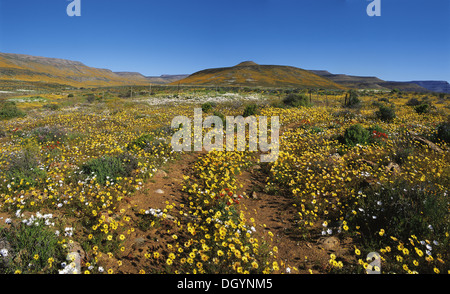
274, 213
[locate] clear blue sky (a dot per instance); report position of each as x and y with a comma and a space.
409, 41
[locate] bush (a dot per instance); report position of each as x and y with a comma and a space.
356, 134
443, 132
386, 113
401, 210
351, 99
222, 117
422, 108
207, 106
51, 106
413, 102
9, 110
296, 100
110, 168
33, 248
250, 110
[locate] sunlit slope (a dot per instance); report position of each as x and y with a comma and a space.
20, 67
250, 74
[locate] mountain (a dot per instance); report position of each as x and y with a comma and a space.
434, 86
251, 74
374, 83
19, 67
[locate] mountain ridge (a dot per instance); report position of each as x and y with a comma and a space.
369, 82
28, 68
251, 74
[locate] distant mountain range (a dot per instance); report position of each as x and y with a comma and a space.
435, 86
19, 67
376, 83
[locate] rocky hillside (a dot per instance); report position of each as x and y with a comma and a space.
250, 74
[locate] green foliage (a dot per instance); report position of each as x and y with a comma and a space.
422, 108
207, 106
377, 134
356, 134
23, 168
250, 110
400, 209
9, 110
52, 106
142, 142
49, 134
110, 168
222, 117
150, 143
32, 245
296, 100
413, 102
386, 113
351, 99
443, 132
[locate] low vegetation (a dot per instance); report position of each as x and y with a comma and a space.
99, 177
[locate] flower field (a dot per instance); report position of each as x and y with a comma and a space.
95, 175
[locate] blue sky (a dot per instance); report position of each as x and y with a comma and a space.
409, 41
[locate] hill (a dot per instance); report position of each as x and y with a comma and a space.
434, 86
250, 74
19, 67
373, 83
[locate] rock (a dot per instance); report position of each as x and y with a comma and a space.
159, 191
368, 162
429, 143
74, 267
330, 243
334, 158
75, 247
160, 174
138, 242
393, 167
6, 252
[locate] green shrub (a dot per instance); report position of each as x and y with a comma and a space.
351, 99
413, 102
250, 110
401, 210
386, 113
110, 168
422, 108
51, 106
356, 134
296, 100
207, 106
222, 117
9, 110
443, 132
31, 245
